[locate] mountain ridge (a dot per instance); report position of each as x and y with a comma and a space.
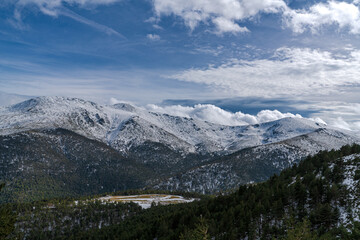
104, 122
172, 152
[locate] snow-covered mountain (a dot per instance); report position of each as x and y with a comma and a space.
254, 164
123, 126
171, 152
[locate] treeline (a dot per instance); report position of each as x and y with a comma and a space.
61, 218
308, 201
64, 218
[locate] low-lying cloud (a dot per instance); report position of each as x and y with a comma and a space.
339, 114
214, 114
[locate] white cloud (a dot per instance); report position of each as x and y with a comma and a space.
290, 72
343, 14
340, 123
223, 13
226, 14
214, 114
153, 37
226, 25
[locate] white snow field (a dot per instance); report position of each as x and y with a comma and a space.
146, 200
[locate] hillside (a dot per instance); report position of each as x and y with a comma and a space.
255, 164
317, 199
57, 163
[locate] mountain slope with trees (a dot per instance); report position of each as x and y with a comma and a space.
55, 146
317, 199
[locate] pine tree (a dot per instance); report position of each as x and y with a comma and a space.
199, 233
301, 231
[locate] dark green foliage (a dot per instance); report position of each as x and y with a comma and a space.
61, 219
7, 219
300, 231
56, 163
302, 202
199, 233
309, 194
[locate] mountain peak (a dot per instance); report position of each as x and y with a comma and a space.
105, 123
47, 103
294, 122
125, 106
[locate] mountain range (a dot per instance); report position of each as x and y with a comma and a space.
55, 146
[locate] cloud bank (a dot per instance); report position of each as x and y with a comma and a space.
289, 72
214, 114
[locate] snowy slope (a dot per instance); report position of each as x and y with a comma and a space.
352, 183
254, 164
123, 126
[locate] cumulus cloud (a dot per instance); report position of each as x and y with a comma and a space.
289, 72
342, 14
214, 114
153, 37
224, 14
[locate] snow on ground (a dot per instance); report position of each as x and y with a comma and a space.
145, 201
353, 187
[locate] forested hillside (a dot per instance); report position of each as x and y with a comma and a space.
317, 199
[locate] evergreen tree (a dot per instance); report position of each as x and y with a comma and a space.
300, 231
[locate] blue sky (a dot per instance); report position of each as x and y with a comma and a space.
242, 55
